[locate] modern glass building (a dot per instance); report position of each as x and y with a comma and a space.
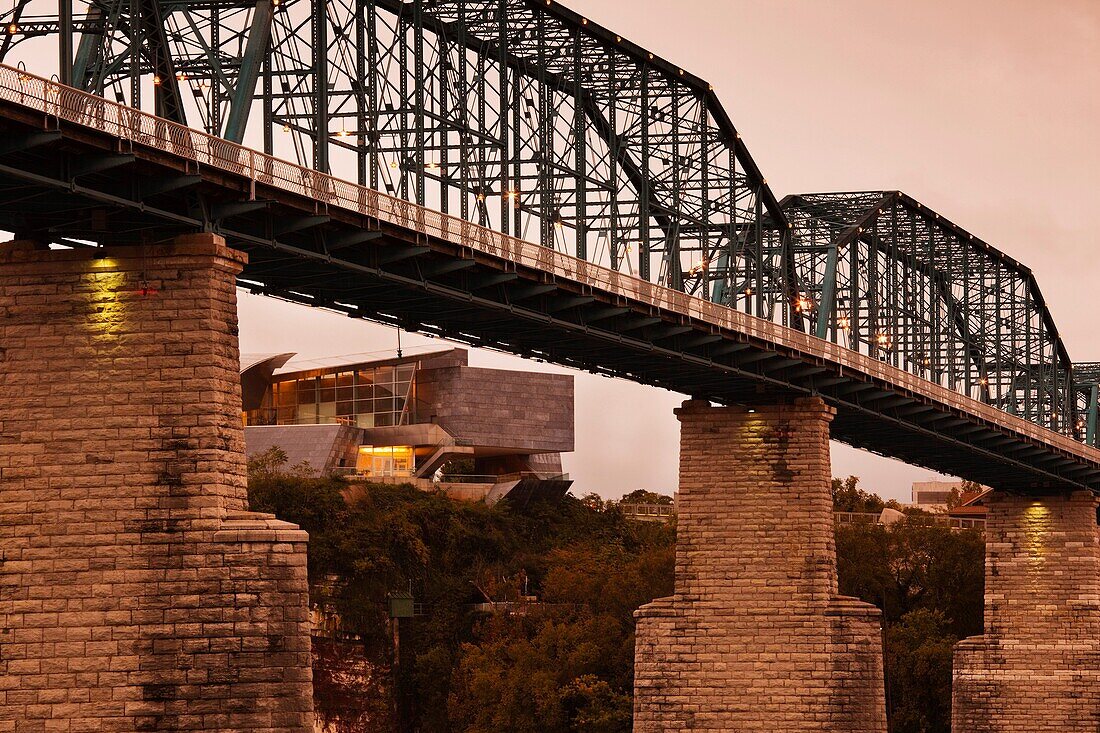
409, 418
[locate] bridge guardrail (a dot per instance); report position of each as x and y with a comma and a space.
51, 98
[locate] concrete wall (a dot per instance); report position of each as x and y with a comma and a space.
521, 411
136, 593
756, 637
1037, 667
321, 446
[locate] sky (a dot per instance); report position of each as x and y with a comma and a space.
987, 111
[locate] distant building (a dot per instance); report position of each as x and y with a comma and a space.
933, 496
971, 511
648, 512
408, 419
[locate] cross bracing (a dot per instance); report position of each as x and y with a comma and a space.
522, 116
885, 275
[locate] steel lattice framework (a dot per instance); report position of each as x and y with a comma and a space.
523, 116
886, 276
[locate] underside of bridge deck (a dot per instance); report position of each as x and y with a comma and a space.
63, 183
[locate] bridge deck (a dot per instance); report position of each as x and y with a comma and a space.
76, 167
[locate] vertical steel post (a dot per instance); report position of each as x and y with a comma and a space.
1094, 399
320, 85
65, 43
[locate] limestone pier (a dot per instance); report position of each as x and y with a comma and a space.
756, 637
136, 591
1036, 668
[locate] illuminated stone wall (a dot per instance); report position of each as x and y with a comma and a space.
136, 593
756, 637
1037, 667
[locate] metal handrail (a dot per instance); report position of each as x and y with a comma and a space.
141, 128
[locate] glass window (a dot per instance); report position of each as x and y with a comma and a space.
345, 379
286, 394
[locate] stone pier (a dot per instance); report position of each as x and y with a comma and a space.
1037, 667
756, 637
136, 591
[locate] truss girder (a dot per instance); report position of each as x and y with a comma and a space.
912, 289
515, 114
523, 116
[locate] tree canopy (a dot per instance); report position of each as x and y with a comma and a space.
525, 615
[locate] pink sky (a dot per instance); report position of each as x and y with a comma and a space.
988, 111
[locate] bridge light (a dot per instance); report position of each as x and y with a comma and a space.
393, 164
13, 28
181, 76
156, 80
843, 323
983, 381
559, 222
883, 340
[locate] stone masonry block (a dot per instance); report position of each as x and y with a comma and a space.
122, 494
756, 637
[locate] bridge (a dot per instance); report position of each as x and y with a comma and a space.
528, 181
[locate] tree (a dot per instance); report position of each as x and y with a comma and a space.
918, 667
563, 663
642, 496
929, 582
848, 497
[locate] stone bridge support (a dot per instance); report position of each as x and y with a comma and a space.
136, 591
1037, 667
756, 637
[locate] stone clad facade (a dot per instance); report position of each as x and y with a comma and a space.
1037, 667
136, 591
756, 637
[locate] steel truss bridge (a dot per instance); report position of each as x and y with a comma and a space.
528, 181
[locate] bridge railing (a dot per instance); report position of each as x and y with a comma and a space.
141, 128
